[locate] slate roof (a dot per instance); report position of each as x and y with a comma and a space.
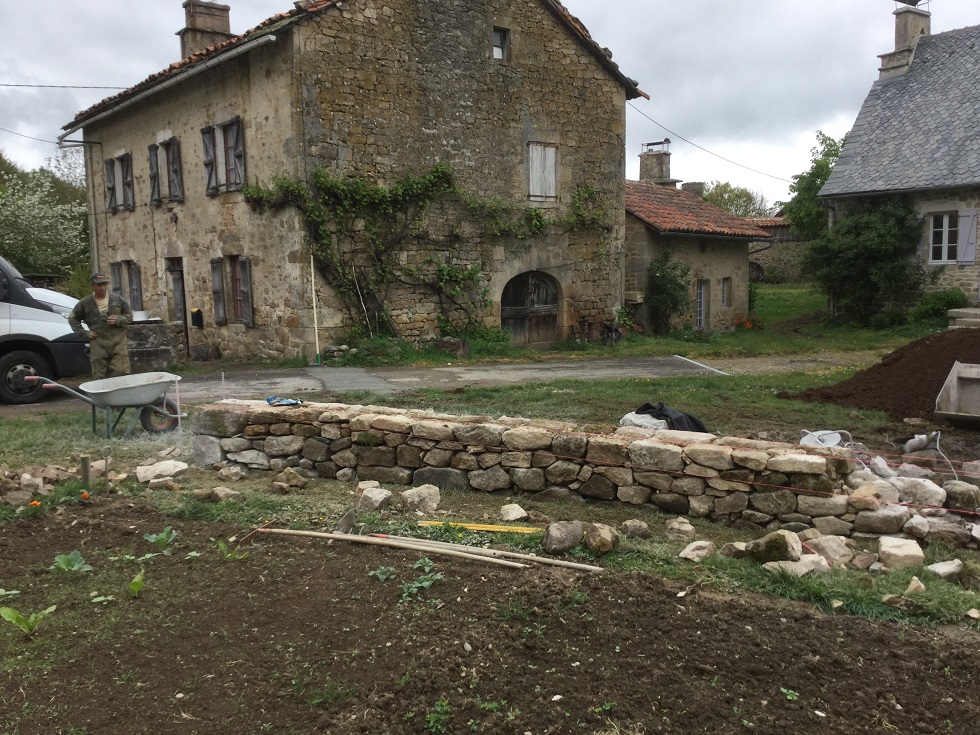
674, 211
919, 130
307, 8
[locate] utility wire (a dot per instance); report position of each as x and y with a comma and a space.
39, 140
57, 86
710, 153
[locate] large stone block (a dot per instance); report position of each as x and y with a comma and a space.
393, 475
569, 445
832, 505
616, 475
214, 422
434, 430
598, 486
774, 503
488, 480
529, 480
443, 478
206, 451
482, 435
374, 457
671, 503
650, 455
709, 455
283, 446
316, 450
806, 464
527, 437
610, 450
562, 471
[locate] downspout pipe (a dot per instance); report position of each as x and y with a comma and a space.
193, 71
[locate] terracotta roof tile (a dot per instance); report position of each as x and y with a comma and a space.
668, 209
769, 221
308, 8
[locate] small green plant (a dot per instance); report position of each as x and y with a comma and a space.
230, 555
103, 599
383, 574
8, 593
69, 563
136, 586
27, 624
411, 590
790, 694
604, 707
437, 721
425, 564
162, 539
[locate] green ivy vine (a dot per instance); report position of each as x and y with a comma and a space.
358, 228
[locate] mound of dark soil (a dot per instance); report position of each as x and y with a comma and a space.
906, 382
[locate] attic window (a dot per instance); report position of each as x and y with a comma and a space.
501, 44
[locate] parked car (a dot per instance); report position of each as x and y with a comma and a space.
35, 337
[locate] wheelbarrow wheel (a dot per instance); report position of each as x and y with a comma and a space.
156, 422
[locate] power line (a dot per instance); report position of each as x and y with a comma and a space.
710, 153
57, 86
39, 140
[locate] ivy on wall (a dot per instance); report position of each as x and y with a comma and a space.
358, 229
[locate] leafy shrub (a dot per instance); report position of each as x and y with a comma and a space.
668, 291
893, 316
935, 305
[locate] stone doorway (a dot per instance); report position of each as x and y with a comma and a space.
529, 309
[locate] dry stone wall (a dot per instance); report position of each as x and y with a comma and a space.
757, 484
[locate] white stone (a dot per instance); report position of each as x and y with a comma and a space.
697, 551
709, 455
167, 468
916, 526
832, 548
648, 454
808, 564
948, 570
374, 498
881, 468
512, 512
424, 498
527, 437
680, 529
913, 470
897, 553
918, 491
798, 463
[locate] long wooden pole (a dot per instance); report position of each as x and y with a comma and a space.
495, 553
372, 541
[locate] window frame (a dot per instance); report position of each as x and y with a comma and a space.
175, 175
542, 171
224, 156
127, 272
944, 231
727, 292
233, 286
500, 43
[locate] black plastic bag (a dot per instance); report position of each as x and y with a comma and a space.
675, 419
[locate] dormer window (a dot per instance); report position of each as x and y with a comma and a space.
501, 44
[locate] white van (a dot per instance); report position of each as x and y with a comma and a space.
35, 337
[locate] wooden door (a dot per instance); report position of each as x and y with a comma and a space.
529, 309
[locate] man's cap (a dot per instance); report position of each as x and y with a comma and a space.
100, 278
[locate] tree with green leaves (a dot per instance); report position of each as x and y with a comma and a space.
42, 221
738, 200
867, 262
804, 210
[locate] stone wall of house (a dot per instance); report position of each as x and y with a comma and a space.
965, 276
710, 259
757, 484
781, 260
380, 90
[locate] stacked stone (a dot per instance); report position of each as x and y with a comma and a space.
749, 483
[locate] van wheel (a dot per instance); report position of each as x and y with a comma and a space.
16, 366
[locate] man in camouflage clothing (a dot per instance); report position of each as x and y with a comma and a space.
106, 315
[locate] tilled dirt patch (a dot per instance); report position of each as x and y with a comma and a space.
299, 637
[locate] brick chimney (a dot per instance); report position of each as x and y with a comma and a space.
208, 24
655, 167
911, 24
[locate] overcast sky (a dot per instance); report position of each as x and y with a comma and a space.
750, 81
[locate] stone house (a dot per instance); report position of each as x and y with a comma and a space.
514, 98
776, 260
712, 241
918, 135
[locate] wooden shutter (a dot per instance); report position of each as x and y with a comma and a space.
210, 173
218, 291
245, 281
110, 186
175, 181
967, 250
238, 142
126, 171
135, 286
115, 271
541, 171
154, 175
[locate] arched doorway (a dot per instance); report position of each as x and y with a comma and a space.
529, 309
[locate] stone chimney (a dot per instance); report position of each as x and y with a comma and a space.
694, 187
655, 167
911, 24
208, 24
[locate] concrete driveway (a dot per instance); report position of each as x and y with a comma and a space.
386, 380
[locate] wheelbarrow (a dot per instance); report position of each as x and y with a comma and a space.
146, 392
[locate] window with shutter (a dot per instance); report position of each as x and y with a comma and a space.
135, 285
210, 169
234, 151
175, 181
944, 238
542, 172
126, 171
218, 291
154, 161
110, 186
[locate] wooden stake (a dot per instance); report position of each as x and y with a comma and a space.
482, 527
496, 553
86, 470
372, 541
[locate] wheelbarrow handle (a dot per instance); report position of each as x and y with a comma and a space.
50, 384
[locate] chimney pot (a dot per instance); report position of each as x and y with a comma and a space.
655, 168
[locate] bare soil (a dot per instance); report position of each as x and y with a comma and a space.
299, 637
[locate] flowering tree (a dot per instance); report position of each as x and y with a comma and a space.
37, 233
